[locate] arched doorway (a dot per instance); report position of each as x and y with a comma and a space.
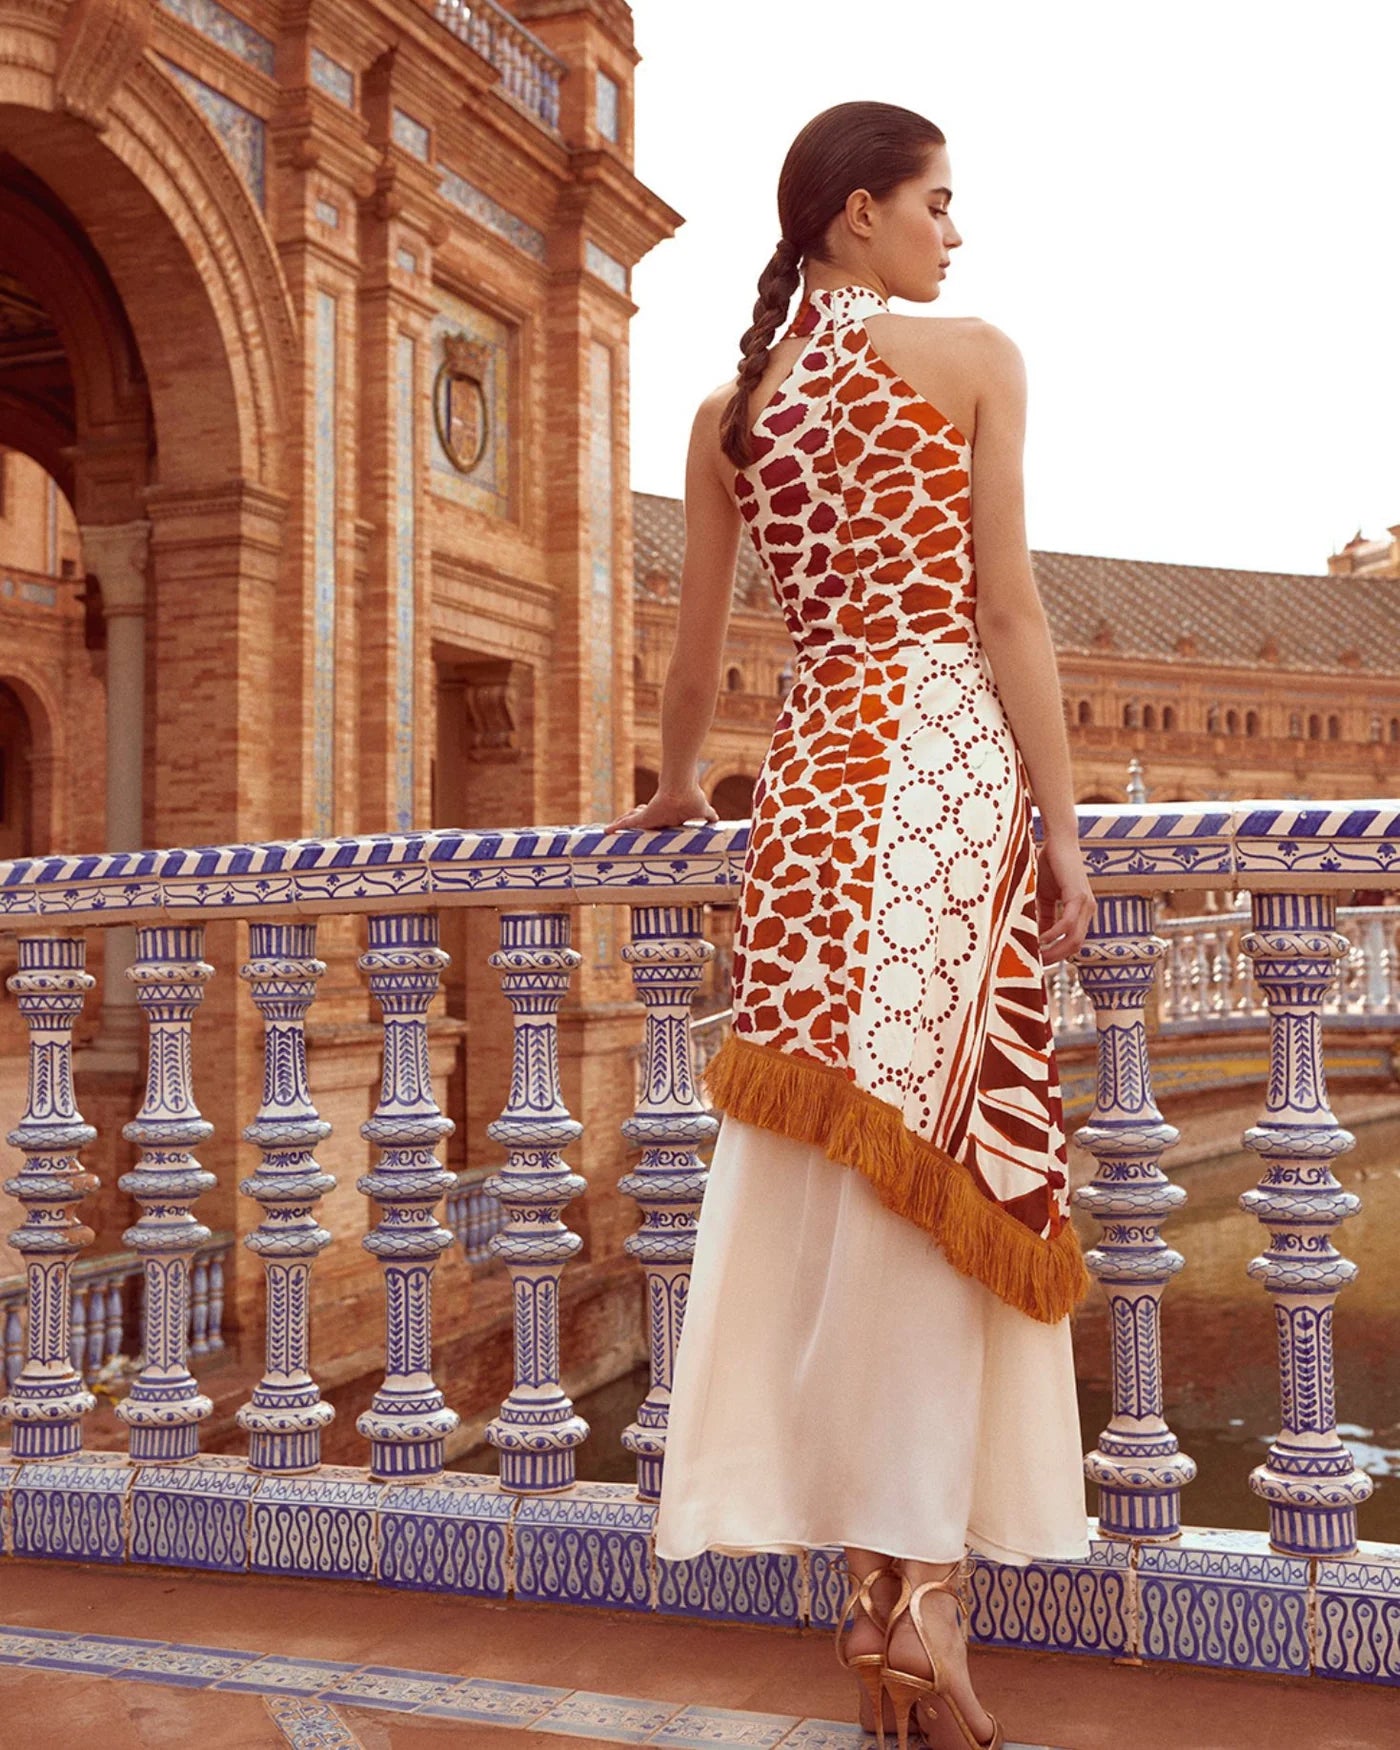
16, 777
153, 388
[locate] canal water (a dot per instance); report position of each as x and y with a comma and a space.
1218, 1345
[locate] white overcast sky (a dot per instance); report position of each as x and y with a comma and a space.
1185, 215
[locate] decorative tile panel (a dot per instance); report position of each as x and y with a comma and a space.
229, 32
405, 573
323, 523
483, 385
329, 76
72, 1510
192, 1516
763, 1587
411, 134
590, 1546
605, 105
1357, 1615
479, 205
607, 267
602, 468
242, 134
449, 1535
321, 1525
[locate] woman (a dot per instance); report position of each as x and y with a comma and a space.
876, 1347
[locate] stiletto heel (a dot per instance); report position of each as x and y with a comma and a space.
908, 1691
867, 1667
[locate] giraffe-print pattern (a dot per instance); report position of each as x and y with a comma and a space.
887, 922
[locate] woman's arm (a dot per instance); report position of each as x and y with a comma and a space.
1015, 633
691, 693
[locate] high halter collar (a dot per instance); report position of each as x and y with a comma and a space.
830, 306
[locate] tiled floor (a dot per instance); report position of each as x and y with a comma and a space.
145, 1657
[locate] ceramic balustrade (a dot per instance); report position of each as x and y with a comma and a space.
535, 1531
531, 73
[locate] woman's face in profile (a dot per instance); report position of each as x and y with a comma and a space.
917, 233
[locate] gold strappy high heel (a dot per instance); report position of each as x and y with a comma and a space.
868, 1667
908, 1690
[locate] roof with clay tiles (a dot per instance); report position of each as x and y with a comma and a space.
1127, 608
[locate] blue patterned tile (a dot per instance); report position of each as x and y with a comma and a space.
618, 1719
694, 1728
764, 1587
176, 1662
449, 1535
72, 1510
1357, 1615
386, 1686
591, 1546
293, 1676
500, 1703
1068, 1607
195, 1516
1223, 1597
829, 1735
18, 1646
310, 1725
321, 1525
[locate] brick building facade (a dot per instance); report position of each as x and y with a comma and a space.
316, 315
1218, 683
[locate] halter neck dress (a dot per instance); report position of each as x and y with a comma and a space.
876, 1347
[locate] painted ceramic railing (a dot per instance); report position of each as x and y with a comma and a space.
100, 1311
1304, 1597
531, 73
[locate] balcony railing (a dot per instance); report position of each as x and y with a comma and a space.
531, 73
1305, 1597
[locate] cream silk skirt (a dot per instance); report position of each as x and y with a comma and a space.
838, 1382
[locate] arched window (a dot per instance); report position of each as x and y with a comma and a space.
1086, 711
1334, 728
1130, 714
1251, 723
1149, 716
1314, 726
1169, 717
1232, 723
734, 680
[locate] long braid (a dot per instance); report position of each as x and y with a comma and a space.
776, 284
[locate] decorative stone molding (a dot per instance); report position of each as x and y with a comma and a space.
102, 40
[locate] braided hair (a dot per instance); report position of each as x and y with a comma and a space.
874, 146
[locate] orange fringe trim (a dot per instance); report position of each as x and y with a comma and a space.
812, 1102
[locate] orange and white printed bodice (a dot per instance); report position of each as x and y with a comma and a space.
889, 997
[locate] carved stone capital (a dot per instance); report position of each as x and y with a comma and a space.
118, 555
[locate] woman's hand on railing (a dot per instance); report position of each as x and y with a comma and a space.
1061, 877
674, 808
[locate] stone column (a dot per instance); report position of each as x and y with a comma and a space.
117, 555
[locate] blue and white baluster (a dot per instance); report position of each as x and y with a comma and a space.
537, 1430
1309, 1479
667, 955
46, 1401
164, 1408
286, 1413
408, 1419
1137, 1464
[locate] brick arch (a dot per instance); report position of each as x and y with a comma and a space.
168, 214
102, 366
46, 746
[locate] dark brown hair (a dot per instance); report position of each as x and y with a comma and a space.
874, 146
